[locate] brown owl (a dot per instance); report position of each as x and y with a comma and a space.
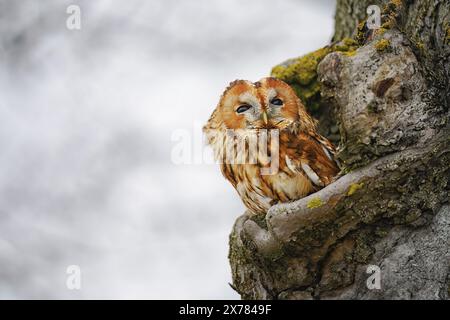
242, 125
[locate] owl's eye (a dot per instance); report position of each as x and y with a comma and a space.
243, 108
276, 102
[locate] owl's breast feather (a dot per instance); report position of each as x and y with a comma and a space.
260, 192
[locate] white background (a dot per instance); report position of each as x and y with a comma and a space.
86, 118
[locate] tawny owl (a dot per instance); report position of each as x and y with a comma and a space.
305, 160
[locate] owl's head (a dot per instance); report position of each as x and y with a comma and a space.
266, 104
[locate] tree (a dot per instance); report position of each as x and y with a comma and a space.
384, 93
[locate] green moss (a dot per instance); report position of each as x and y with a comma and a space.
301, 72
382, 45
447, 35
392, 7
380, 31
397, 3
315, 202
354, 187
346, 170
345, 45
349, 42
361, 32
387, 25
390, 13
350, 53
420, 45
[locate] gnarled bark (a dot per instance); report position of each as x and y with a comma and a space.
390, 206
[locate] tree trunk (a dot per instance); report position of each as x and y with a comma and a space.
388, 93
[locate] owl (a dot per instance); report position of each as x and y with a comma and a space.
246, 113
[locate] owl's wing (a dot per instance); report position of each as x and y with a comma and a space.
313, 155
327, 147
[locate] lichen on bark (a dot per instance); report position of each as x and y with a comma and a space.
301, 74
390, 206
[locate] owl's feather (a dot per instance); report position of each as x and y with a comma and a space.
305, 158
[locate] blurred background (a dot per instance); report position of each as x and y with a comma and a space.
86, 123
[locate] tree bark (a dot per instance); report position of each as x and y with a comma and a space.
389, 209
348, 14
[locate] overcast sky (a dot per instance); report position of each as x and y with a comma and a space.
86, 119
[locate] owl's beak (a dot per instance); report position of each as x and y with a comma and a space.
264, 117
